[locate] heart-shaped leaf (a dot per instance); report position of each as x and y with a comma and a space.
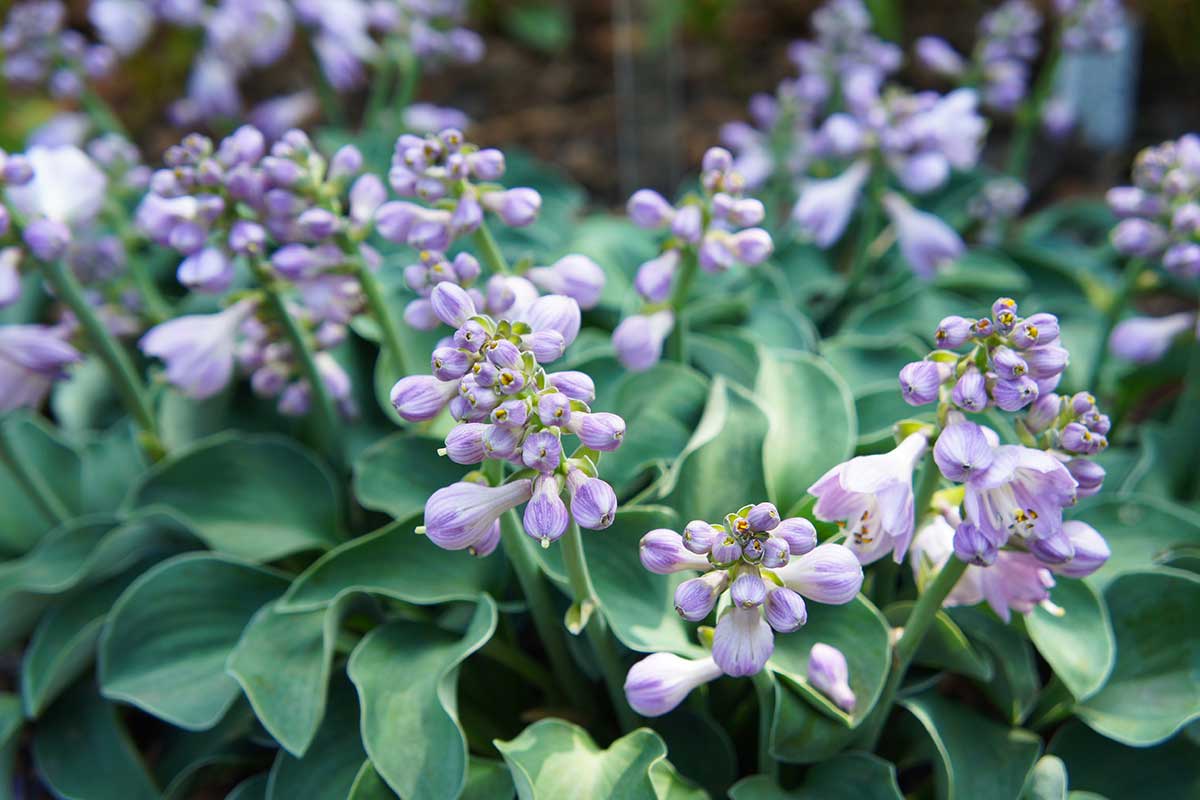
945, 646
553, 758
166, 641
332, 765
394, 562
282, 662
1140, 531
1078, 644
976, 758
1047, 780
410, 727
1117, 772
255, 497
1152, 691
398, 474
850, 776
812, 423
1014, 687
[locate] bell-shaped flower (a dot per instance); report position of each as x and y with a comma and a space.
32, 358
873, 496
742, 641
1144, 340
639, 339
67, 187
575, 276
825, 206
829, 573
198, 349
927, 243
830, 675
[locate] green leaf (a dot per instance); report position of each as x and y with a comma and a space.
670, 785
255, 497
977, 759
868, 362
44, 458
166, 641
850, 776
945, 646
394, 562
112, 463
1079, 644
1141, 532
488, 780
398, 474
369, 786
657, 432
813, 426
1014, 688
10, 725
860, 632
63, 646
253, 788
725, 350
1047, 780
700, 747
82, 751
410, 727
1152, 691
638, 604
554, 759
801, 734
1112, 770
282, 662
721, 469
333, 763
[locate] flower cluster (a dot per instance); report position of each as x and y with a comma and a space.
1006, 47
288, 215
1012, 361
1160, 212
1010, 579
1092, 24
715, 230
766, 566
490, 374
36, 50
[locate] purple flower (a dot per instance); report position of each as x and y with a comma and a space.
198, 349
830, 573
742, 642
600, 431
556, 313
639, 339
829, 674
32, 358
462, 514
936, 55
662, 552
207, 271
546, 517
517, 207
67, 187
1090, 551
920, 382
575, 276
649, 209
784, 610
419, 398
963, 451
574, 384
464, 443
799, 534
974, 546
927, 243
873, 495
452, 304
593, 501
542, 451
825, 206
654, 277
695, 598
659, 682
1144, 340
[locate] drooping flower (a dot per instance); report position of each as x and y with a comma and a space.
830, 675
1144, 340
198, 349
32, 358
927, 243
461, 515
825, 206
660, 681
873, 497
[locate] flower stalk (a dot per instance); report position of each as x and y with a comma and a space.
677, 345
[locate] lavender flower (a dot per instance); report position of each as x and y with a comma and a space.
927, 243
32, 358
873, 496
199, 350
660, 681
37, 50
825, 207
1144, 340
745, 557
830, 675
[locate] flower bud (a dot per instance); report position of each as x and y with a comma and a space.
600, 431
830, 573
763, 517
952, 332
742, 642
346, 162
799, 534
662, 552
464, 443
962, 450
575, 385
1039, 329
450, 363
504, 354
649, 209
555, 312
462, 514
1008, 365
919, 382
695, 598
575, 276
47, 239
748, 589
970, 391
752, 246
688, 224
936, 55
511, 414
1144, 340
726, 549
830, 675
660, 682
699, 536
247, 237
542, 451
1054, 549
1091, 551
1042, 412
516, 207
467, 216
653, 279
1137, 237
1088, 474
973, 546
1015, 394
639, 339
785, 610
593, 501
206, 271
927, 243
419, 315
419, 398
318, 223
546, 517
488, 544
776, 553
500, 442
452, 304
487, 164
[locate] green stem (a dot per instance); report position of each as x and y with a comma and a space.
920, 619
677, 345
1116, 305
156, 306
410, 75
867, 231
32, 482
1054, 704
490, 250
764, 689
502, 653
324, 412
381, 90
101, 112
1186, 428
389, 329
596, 626
1031, 113
110, 352
537, 598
